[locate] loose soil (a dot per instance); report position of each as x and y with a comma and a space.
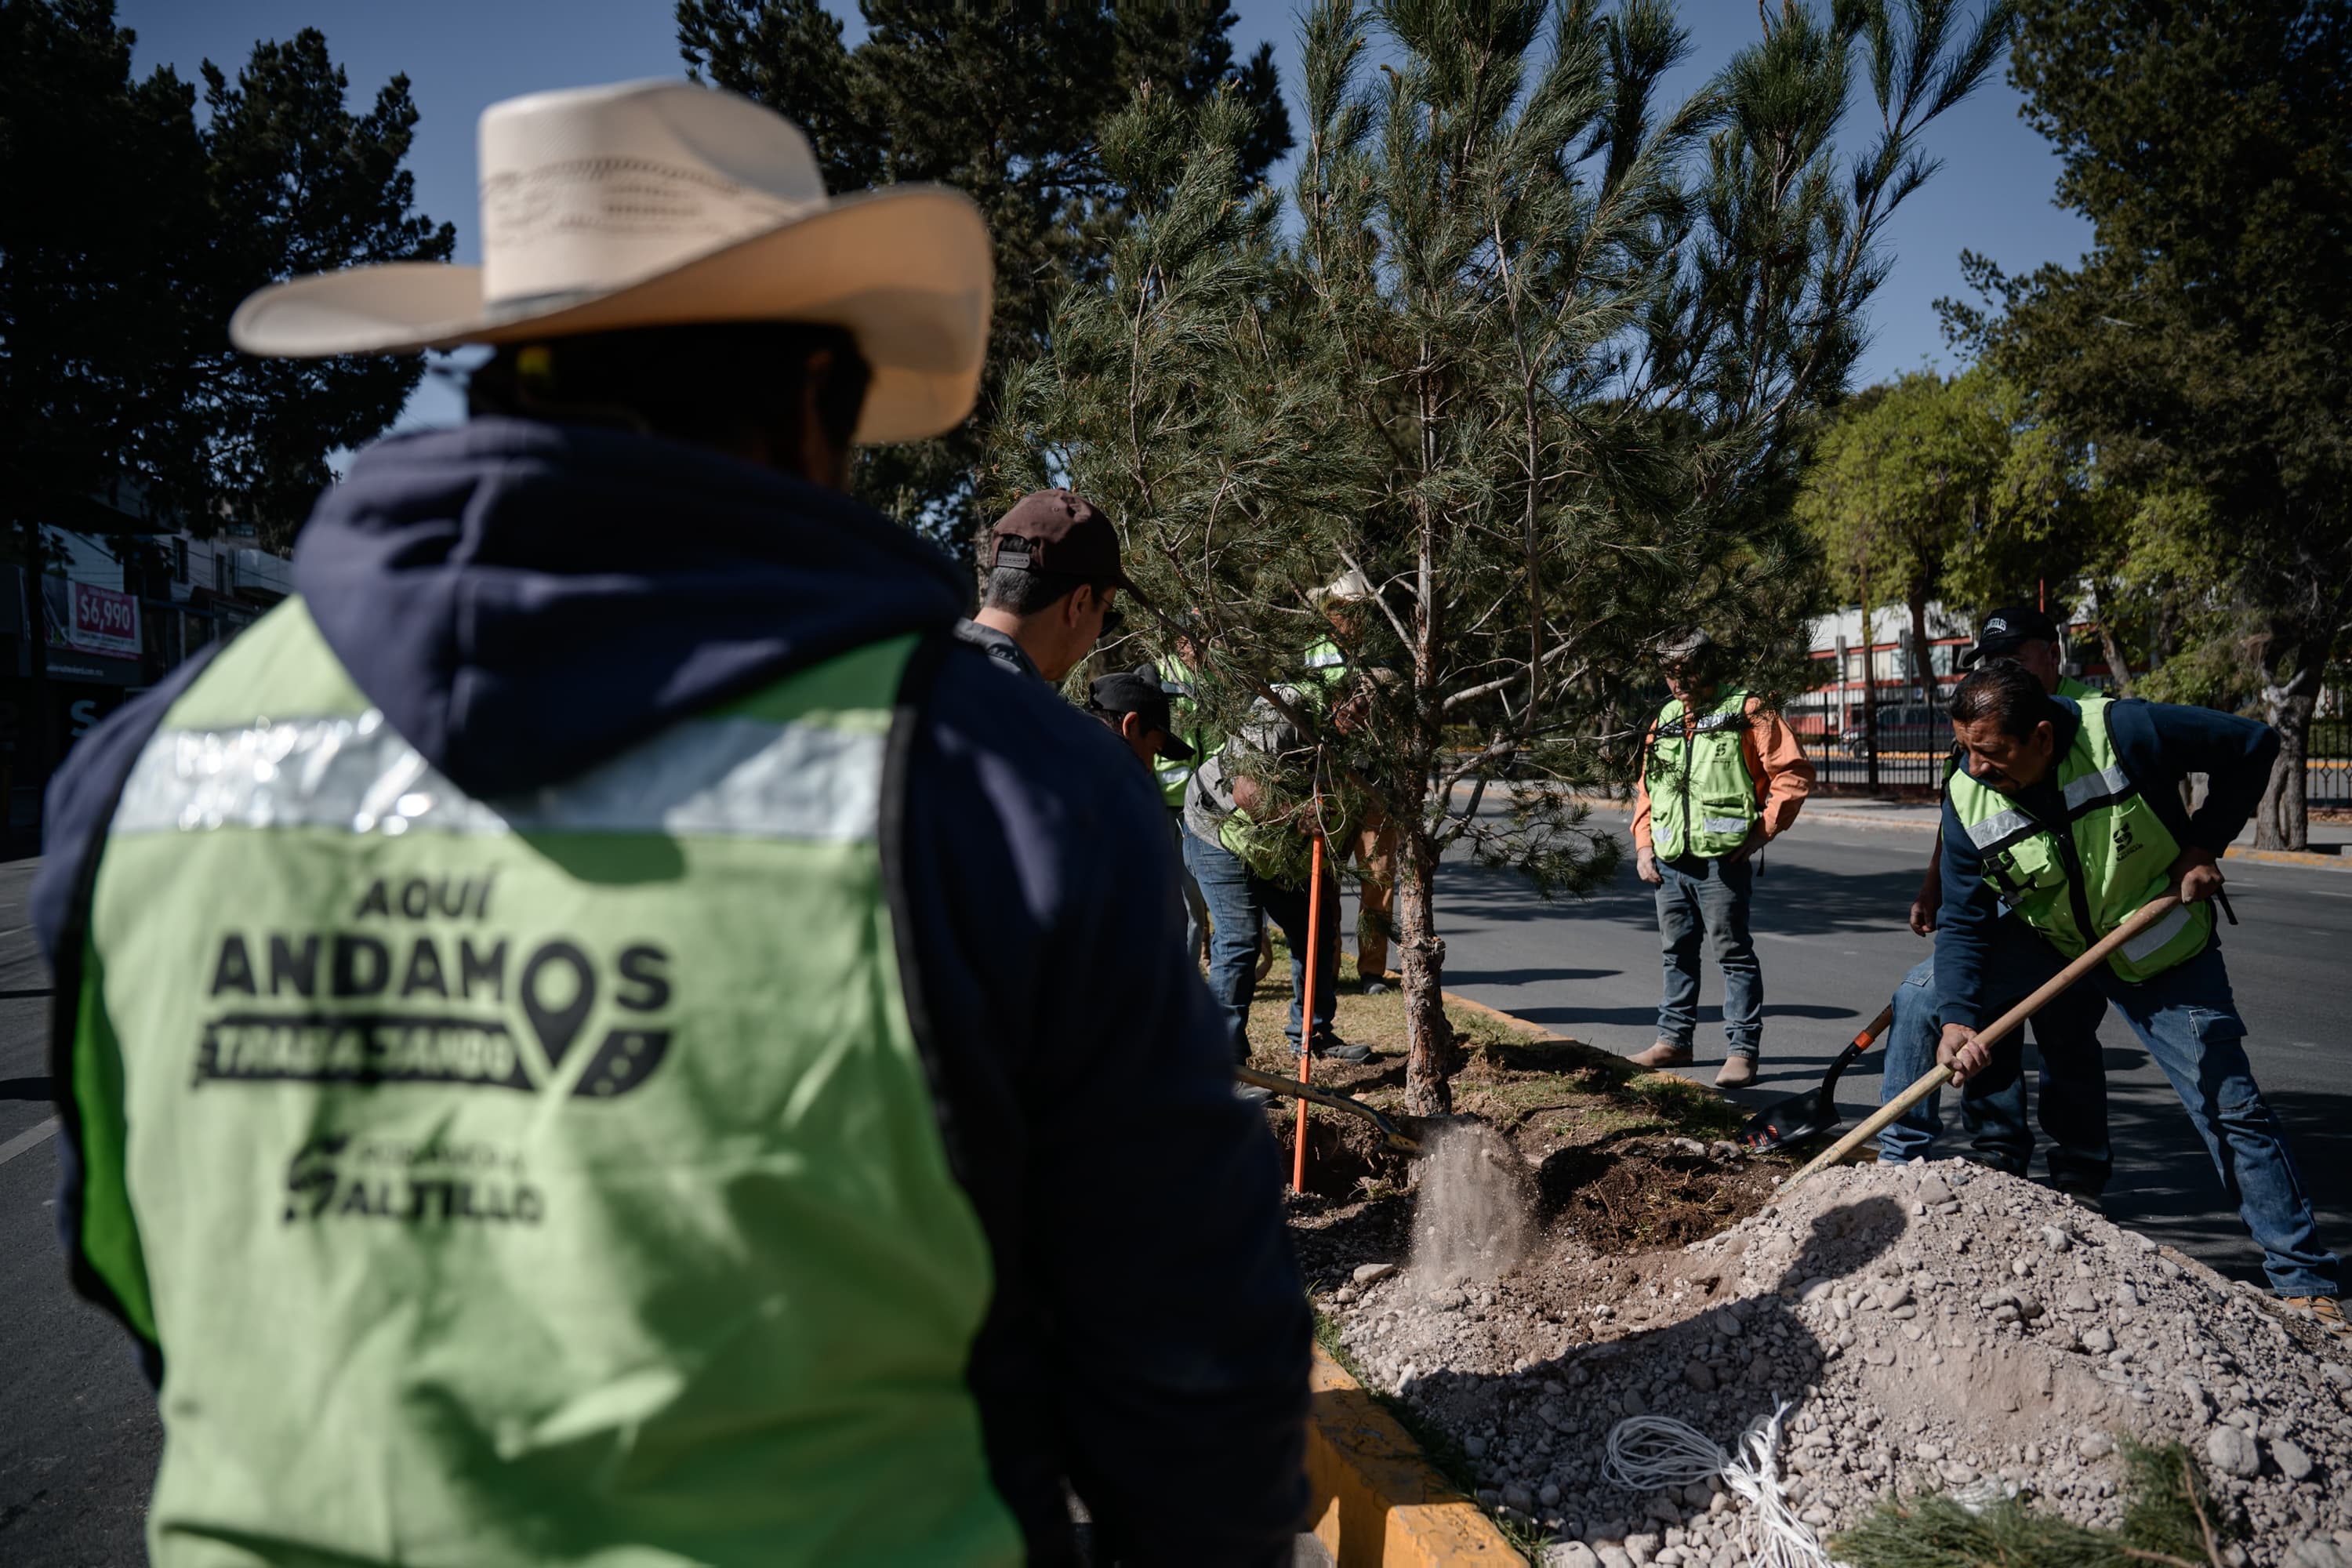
1936, 1327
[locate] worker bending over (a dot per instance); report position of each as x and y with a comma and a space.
598, 1031
2071, 1094
2068, 811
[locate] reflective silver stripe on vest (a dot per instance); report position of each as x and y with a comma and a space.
1687, 726
711, 778
1724, 823
1998, 828
2146, 943
2093, 788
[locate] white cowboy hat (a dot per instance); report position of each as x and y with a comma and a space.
659, 203
1349, 587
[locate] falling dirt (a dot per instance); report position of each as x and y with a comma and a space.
1471, 1218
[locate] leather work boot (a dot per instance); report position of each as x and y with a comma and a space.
1737, 1072
2327, 1309
1664, 1055
1330, 1047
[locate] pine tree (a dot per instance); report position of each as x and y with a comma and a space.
1007, 104
2171, 1519
1536, 358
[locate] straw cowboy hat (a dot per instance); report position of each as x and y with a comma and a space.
660, 203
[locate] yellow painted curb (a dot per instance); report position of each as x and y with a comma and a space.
1377, 1503
1508, 1020
2290, 858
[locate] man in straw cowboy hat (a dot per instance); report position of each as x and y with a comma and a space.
1371, 842
597, 1030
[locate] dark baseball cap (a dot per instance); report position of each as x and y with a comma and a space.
2007, 629
1060, 533
1137, 691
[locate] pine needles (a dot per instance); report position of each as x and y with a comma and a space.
2171, 1520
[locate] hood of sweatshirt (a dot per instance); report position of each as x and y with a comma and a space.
523, 601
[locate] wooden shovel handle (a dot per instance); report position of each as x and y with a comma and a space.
1876, 1027
1939, 1074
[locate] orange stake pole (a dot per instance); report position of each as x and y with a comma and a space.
1306, 1002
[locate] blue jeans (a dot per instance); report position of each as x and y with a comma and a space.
2188, 1021
2071, 1091
1708, 898
1196, 911
1239, 902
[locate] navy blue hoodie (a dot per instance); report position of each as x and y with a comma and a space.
523, 601
2159, 745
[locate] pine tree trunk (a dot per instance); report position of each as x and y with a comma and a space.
1429, 1036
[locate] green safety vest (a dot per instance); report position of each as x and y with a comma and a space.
1175, 775
2070, 687
546, 1179
2115, 855
1270, 851
1702, 797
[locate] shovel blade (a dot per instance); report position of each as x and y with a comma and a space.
1792, 1120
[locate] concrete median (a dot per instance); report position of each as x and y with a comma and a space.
1377, 1501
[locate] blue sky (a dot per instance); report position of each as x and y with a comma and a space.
1992, 195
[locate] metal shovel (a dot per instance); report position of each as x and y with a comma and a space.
1398, 1139
1815, 1111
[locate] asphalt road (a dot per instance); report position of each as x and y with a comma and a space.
77, 1432
1829, 921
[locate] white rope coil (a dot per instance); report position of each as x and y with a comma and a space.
1650, 1453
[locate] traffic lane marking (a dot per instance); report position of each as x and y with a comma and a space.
31, 1138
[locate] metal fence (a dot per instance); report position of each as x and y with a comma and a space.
2327, 773
1914, 737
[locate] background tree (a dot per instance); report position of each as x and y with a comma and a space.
1899, 481
2203, 347
131, 235
1536, 359
298, 185
1008, 104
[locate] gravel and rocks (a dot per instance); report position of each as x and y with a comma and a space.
1931, 1327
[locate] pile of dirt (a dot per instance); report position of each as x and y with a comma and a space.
1935, 1327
